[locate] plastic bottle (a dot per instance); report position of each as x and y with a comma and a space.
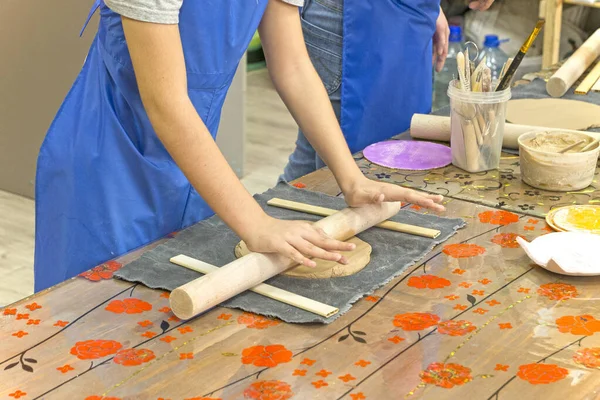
449, 71
495, 58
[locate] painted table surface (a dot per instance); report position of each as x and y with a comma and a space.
474, 319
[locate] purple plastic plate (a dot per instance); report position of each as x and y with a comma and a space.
409, 154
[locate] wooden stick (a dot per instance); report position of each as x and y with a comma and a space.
589, 145
246, 272
564, 150
325, 212
272, 292
589, 81
596, 87
576, 65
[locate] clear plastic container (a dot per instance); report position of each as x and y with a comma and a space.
476, 127
442, 79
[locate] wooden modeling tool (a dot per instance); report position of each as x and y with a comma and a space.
596, 87
249, 271
510, 70
576, 65
571, 146
325, 212
590, 80
272, 292
589, 146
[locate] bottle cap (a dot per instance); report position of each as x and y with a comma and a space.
491, 41
455, 33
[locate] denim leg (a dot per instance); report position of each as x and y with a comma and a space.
322, 28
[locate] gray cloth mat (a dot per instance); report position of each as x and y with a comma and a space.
213, 242
534, 90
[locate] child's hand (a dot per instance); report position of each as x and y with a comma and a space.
296, 240
365, 191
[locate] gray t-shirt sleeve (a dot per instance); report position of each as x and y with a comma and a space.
158, 11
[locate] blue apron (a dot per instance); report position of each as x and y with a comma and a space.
105, 184
387, 67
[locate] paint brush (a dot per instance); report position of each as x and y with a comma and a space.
510, 71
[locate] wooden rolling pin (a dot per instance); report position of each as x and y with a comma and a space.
325, 212
247, 272
576, 65
437, 128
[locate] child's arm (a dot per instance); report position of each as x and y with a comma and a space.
302, 91
158, 60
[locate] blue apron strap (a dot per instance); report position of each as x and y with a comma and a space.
90, 15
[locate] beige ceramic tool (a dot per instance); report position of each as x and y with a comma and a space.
253, 269
565, 253
272, 292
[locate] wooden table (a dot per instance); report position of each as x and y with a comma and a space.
473, 320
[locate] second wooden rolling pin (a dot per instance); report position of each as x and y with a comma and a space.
246, 272
437, 128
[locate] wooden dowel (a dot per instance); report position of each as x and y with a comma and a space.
272, 292
247, 272
589, 81
324, 212
564, 150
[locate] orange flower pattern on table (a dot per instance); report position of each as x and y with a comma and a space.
493, 303
529, 228
532, 221
299, 185
165, 310
362, 363
33, 322
20, 334
101, 398
18, 394
347, 378
478, 293
148, 334
501, 367
101, 272
133, 357
558, 291
459, 271
199, 398
480, 311
168, 339
466, 285
299, 372
65, 368
358, 396
456, 328
463, 250
396, 339
128, 306
185, 329
224, 317
415, 321
484, 281
61, 324
266, 356
452, 297
22, 316
506, 325
10, 311
268, 390
308, 361
186, 356
498, 217
428, 281
460, 307
523, 290
539, 374
165, 295
145, 324
319, 384
446, 375
93, 349
578, 325
588, 357
324, 373
507, 240
254, 321
33, 306
373, 299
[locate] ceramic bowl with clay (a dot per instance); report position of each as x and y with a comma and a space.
543, 167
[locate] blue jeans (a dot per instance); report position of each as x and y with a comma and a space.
322, 26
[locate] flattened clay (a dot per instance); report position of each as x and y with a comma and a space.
357, 260
553, 113
408, 155
578, 218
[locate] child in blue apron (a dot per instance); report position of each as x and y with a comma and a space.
375, 60
131, 156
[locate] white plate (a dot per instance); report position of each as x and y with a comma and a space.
566, 253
